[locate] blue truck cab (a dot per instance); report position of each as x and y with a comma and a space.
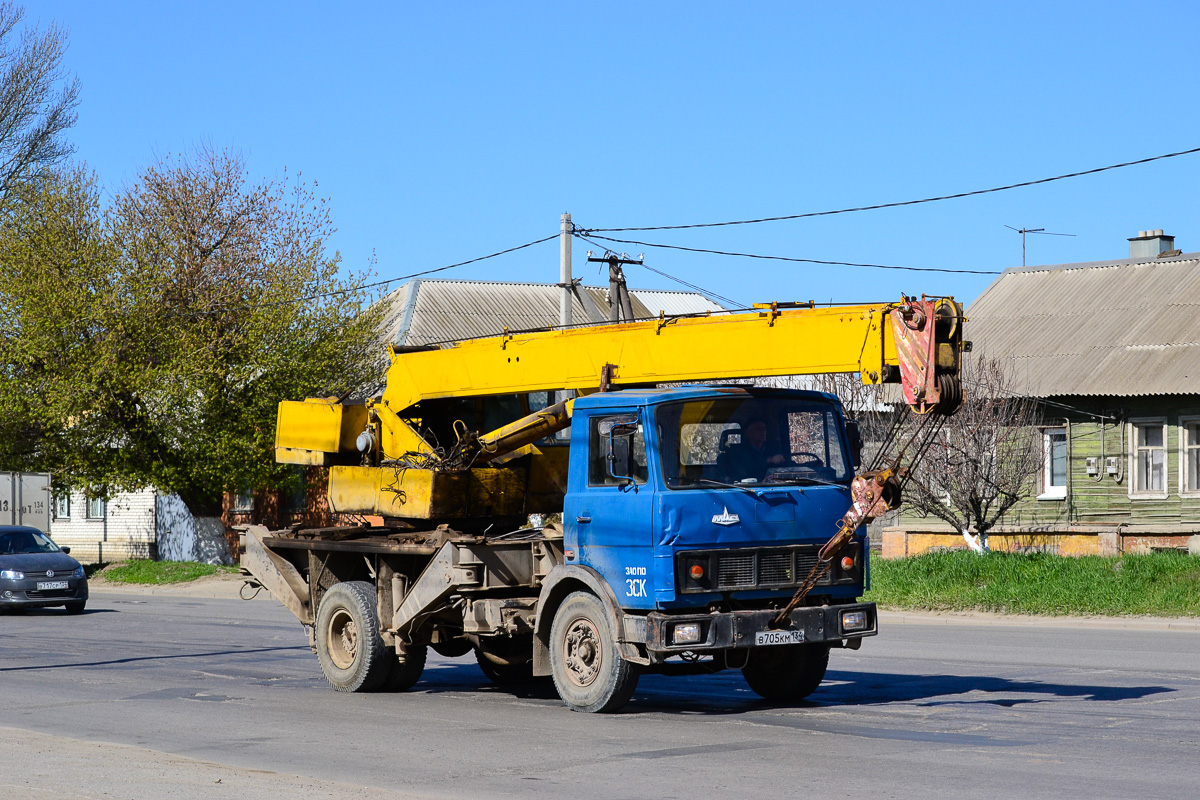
702, 510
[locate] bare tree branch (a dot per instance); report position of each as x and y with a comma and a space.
37, 99
985, 459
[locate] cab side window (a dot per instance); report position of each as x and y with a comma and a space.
628, 448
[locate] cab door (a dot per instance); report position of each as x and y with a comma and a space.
610, 504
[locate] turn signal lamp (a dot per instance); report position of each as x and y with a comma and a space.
686, 633
697, 572
847, 563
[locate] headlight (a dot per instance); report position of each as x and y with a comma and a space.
686, 633
78, 573
11, 575
854, 620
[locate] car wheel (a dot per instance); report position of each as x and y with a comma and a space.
589, 672
76, 608
786, 673
404, 675
507, 661
351, 651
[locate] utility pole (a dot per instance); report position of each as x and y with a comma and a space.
564, 270
618, 292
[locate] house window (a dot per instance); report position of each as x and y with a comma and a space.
1149, 457
1189, 455
1054, 464
243, 502
62, 505
96, 508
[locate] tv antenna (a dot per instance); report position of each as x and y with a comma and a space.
1040, 231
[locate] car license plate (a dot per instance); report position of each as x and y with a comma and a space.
778, 637
45, 586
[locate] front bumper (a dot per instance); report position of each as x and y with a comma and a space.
24, 593
738, 629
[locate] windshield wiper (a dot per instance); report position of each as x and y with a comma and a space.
806, 479
747, 489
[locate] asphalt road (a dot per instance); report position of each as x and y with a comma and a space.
169, 696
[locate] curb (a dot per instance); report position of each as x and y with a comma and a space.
1189, 624
221, 588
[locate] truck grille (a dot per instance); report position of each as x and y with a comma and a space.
735, 571
763, 568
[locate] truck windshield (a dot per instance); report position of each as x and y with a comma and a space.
751, 440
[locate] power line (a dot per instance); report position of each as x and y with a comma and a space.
732, 303
787, 258
902, 203
701, 290
355, 289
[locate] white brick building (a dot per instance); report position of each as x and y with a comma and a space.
133, 525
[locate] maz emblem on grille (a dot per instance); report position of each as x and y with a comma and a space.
725, 518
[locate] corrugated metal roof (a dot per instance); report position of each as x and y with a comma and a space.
1116, 328
430, 311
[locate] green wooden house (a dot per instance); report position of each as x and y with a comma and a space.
1113, 347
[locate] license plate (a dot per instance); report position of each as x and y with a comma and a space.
778, 637
45, 586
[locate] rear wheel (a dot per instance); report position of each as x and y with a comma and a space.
589, 672
786, 673
506, 660
452, 648
405, 674
349, 647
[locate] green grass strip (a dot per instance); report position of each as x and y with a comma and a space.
1159, 584
160, 572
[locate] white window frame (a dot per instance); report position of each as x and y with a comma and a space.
89, 507
1135, 491
242, 503
1184, 446
62, 499
1049, 491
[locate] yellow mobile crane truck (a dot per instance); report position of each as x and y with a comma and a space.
703, 527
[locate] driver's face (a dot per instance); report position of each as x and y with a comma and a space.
756, 434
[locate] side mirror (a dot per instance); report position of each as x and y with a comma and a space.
619, 458
66, 550
854, 435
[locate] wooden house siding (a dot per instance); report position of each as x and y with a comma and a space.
1098, 514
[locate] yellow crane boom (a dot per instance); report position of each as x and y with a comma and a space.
913, 342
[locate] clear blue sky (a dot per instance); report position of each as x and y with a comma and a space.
444, 131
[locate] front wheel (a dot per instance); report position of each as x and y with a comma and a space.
76, 608
786, 673
589, 672
349, 647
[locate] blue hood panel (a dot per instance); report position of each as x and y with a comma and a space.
703, 519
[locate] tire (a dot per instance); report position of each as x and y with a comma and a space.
452, 648
349, 647
508, 661
76, 608
404, 676
786, 673
588, 669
